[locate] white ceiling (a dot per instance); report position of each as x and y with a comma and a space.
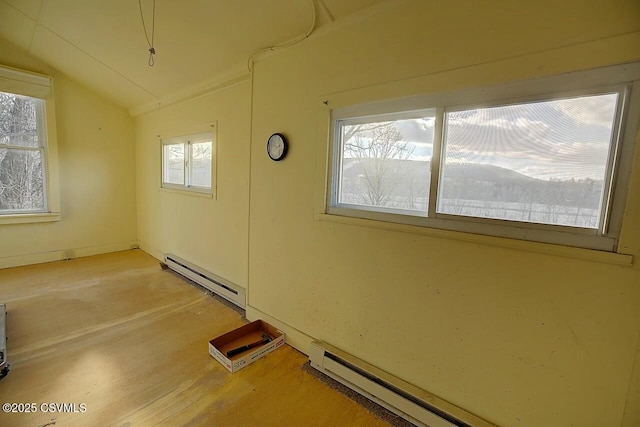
198, 43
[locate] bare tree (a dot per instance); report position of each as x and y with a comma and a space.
21, 179
378, 150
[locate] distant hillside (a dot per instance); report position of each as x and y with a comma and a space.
487, 173
404, 182
471, 172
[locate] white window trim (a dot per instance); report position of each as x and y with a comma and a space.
185, 138
41, 87
570, 84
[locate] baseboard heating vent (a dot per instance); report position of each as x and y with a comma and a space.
411, 403
214, 283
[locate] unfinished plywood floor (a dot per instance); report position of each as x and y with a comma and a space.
129, 341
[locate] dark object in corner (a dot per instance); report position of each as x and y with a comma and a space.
4, 366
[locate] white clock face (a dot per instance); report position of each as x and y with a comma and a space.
276, 147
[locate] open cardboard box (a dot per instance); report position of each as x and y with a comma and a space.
244, 335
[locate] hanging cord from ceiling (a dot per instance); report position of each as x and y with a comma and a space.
152, 50
289, 44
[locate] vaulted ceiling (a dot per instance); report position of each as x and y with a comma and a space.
199, 43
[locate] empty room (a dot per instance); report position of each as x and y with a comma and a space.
320, 213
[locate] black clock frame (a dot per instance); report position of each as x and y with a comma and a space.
284, 151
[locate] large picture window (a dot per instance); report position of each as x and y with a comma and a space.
539, 167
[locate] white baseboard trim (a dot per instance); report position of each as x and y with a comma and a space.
59, 255
295, 338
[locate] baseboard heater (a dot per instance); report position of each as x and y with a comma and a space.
208, 280
411, 403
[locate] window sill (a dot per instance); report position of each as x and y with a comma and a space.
29, 218
537, 247
188, 193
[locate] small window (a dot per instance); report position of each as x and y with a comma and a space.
22, 155
187, 162
534, 167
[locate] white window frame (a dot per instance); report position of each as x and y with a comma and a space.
39, 87
187, 141
623, 78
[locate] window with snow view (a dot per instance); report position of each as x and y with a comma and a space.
22, 154
384, 163
542, 168
543, 162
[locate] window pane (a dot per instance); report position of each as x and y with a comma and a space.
21, 180
387, 164
18, 121
542, 162
173, 159
201, 164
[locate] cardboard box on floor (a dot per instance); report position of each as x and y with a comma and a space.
244, 335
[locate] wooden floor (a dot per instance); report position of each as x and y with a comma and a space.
129, 341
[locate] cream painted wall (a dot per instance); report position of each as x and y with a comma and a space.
518, 337
96, 159
211, 233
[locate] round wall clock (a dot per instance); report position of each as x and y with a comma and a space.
277, 147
